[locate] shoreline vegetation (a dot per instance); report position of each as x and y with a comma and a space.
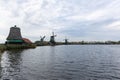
4, 47
45, 43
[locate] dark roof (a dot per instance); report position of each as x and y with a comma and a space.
27, 40
14, 33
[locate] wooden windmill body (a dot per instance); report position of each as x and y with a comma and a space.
14, 36
52, 39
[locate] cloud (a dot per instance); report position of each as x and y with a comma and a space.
78, 19
96, 15
114, 26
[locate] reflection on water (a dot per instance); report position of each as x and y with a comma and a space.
10, 65
74, 62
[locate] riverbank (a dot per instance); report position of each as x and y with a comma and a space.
4, 47
45, 43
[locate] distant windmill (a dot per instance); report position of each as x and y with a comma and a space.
42, 38
52, 39
66, 41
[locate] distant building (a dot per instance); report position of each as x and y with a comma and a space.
14, 36
27, 41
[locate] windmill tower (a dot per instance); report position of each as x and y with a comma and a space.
42, 38
66, 41
14, 36
52, 39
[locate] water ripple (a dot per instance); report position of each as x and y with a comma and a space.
74, 62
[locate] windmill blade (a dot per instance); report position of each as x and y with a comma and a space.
43, 37
53, 33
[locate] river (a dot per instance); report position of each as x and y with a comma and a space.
65, 62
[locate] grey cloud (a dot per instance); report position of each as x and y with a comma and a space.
48, 15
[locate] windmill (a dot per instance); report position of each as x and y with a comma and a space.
52, 39
14, 36
66, 41
42, 38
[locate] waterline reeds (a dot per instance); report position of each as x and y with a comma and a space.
4, 47
14, 46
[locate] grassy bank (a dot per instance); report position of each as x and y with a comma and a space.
4, 47
26, 46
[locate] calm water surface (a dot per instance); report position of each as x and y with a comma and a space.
67, 62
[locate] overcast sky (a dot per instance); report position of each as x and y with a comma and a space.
76, 19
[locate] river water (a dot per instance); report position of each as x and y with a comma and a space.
66, 62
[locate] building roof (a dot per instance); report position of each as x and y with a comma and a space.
27, 40
14, 33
